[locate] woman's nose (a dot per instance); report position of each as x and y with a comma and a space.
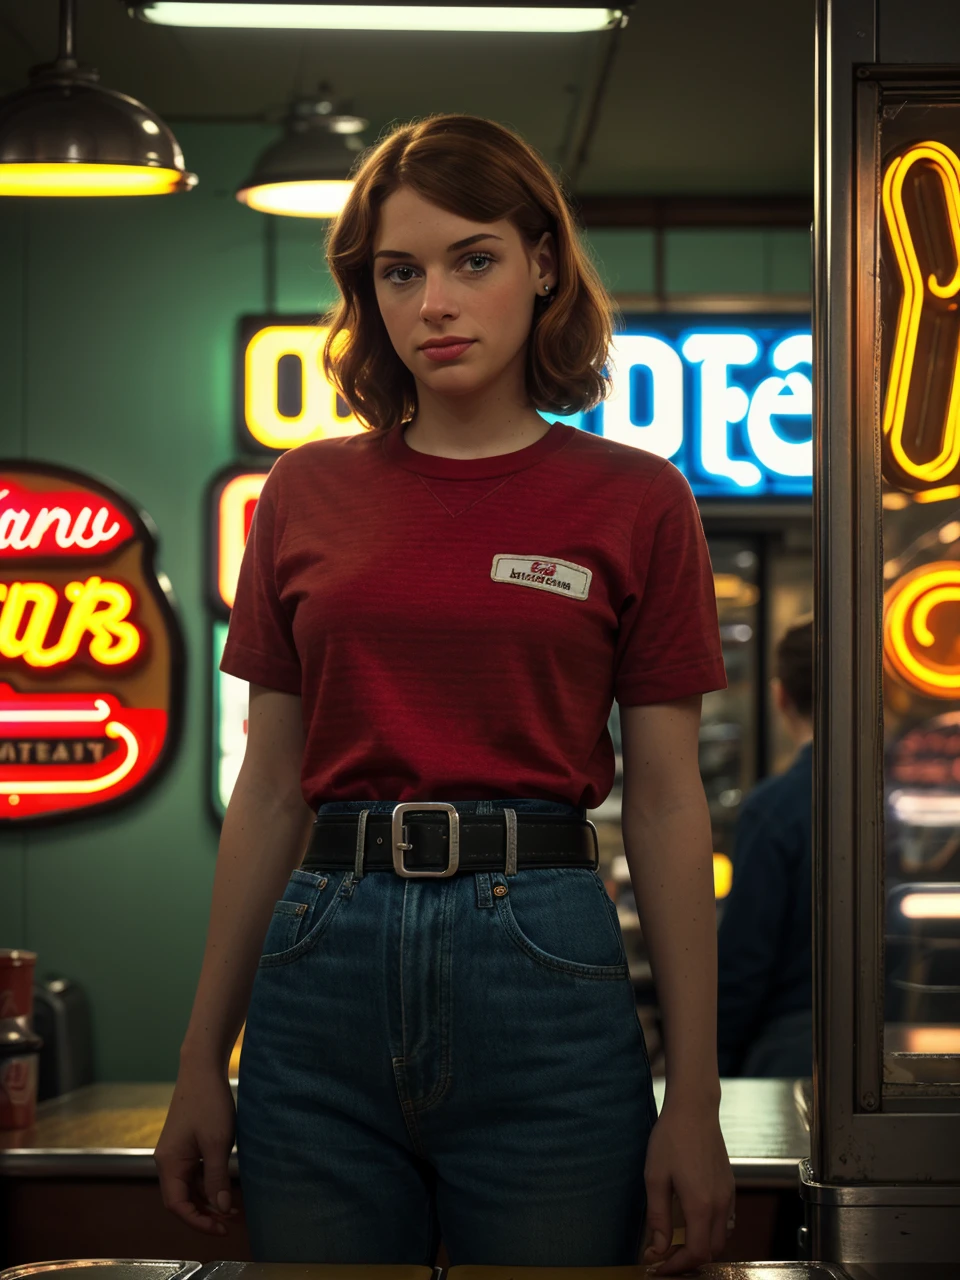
438, 302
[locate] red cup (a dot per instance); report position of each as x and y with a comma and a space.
16, 983
18, 1089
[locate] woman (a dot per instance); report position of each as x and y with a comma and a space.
441, 609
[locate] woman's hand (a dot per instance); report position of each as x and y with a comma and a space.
686, 1156
194, 1150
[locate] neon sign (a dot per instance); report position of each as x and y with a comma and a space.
91, 655
284, 398
729, 404
230, 706
921, 411
59, 523
918, 653
27, 611
231, 500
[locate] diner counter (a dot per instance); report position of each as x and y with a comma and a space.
110, 1130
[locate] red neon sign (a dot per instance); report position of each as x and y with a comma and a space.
79, 748
90, 650
64, 523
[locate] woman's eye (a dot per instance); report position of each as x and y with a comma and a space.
389, 275
484, 258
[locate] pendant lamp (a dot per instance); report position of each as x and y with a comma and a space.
306, 173
66, 135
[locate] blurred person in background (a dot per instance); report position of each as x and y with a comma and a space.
764, 1010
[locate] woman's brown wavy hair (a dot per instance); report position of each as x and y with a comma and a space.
483, 171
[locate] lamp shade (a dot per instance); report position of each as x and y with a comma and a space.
66, 135
306, 173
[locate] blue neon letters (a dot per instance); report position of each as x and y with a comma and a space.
729, 405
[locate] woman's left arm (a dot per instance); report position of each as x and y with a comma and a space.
668, 842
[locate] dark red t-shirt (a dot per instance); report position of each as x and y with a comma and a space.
458, 628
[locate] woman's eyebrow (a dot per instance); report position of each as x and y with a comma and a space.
459, 244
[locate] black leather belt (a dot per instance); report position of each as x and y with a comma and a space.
431, 839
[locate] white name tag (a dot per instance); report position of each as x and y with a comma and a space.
557, 576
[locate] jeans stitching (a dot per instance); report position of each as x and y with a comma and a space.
576, 969
276, 959
444, 1075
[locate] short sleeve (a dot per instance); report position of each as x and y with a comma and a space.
260, 646
669, 638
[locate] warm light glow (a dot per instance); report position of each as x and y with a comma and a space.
906, 627
931, 1040
317, 419
722, 875
901, 374
930, 906
378, 17
934, 495
315, 199
925, 809
90, 180
98, 608
233, 524
733, 589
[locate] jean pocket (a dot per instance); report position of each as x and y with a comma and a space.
302, 916
562, 919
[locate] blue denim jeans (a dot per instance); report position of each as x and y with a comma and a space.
427, 1058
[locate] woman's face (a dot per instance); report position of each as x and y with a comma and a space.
440, 276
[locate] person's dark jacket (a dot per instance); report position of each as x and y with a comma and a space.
764, 940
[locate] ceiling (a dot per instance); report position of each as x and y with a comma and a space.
701, 99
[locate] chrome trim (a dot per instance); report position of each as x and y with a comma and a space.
180, 1268
398, 845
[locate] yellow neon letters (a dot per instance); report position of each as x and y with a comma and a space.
317, 418
909, 380
97, 607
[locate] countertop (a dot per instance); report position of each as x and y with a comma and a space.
110, 1130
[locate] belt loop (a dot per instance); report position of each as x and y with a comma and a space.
361, 838
510, 816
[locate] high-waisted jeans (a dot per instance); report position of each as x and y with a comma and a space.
427, 1058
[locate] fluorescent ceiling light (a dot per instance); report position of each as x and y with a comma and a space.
377, 17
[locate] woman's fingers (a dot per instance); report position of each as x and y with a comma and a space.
216, 1175
659, 1217
178, 1191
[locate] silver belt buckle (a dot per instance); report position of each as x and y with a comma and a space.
398, 846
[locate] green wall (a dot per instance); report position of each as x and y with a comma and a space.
117, 321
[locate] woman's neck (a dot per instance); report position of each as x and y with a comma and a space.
452, 436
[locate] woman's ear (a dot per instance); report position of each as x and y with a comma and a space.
545, 261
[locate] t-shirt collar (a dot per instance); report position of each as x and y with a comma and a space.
396, 450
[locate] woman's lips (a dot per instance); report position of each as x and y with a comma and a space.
446, 353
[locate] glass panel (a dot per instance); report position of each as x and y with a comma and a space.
920, 451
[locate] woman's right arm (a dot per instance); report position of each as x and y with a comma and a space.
263, 839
